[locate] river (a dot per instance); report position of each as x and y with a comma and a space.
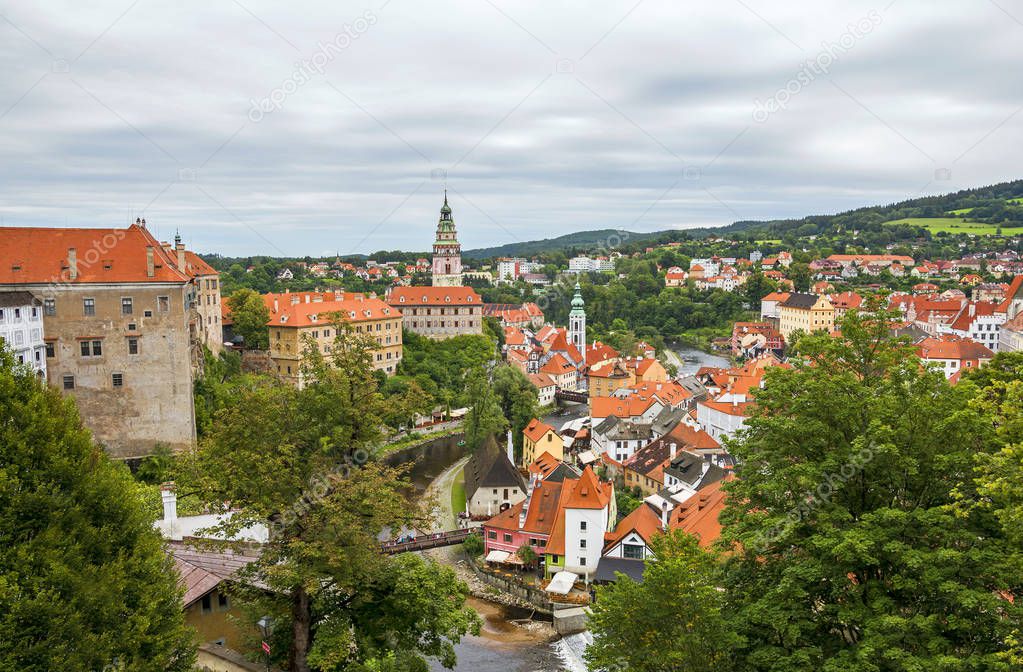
501, 646
693, 359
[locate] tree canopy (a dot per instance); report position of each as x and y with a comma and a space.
84, 580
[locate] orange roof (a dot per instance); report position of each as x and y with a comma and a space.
699, 514
194, 265
557, 365
536, 430
560, 343
588, 492
964, 319
951, 347
867, 258
542, 514
34, 255
433, 296
644, 521
608, 369
602, 407
670, 393
597, 352
742, 408
1014, 289
544, 464
305, 309
540, 380
846, 300
776, 296
514, 336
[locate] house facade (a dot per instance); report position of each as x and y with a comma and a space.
438, 312
805, 312
301, 318
21, 329
116, 316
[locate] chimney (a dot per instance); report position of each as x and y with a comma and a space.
169, 495
276, 307
511, 448
179, 247
150, 263
973, 309
664, 515
72, 262
674, 449
307, 298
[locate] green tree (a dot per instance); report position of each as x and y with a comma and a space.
672, 621
847, 552
250, 316
517, 399
484, 417
301, 459
84, 580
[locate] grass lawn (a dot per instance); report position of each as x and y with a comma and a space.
950, 224
960, 211
1014, 201
458, 493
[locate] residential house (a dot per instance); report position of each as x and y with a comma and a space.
770, 303
537, 438
806, 313
492, 484
587, 512
545, 386
606, 377
300, 319
438, 312
953, 354
116, 313
21, 329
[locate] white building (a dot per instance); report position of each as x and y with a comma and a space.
585, 264
723, 417
21, 329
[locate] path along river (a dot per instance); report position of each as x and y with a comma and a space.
501, 646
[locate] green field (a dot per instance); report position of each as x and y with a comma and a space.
960, 211
950, 224
1014, 201
458, 494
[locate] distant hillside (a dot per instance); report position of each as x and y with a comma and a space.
984, 210
581, 240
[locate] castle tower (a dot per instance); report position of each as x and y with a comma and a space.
577, 322
447, 252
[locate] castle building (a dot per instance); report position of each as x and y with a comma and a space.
577, 320
447, 252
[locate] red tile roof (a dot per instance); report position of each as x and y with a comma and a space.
951, 347
37, 255
433, 296
644, 521
699, 514
537, 429
293, 309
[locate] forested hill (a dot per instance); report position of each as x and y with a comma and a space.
999, 205
580, 240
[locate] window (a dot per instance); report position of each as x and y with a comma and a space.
632, 551
582, 543
49, 307
117, 379
133, 346
491, 535
89, 307
147, 313
207, 604
125, 305
582, 562
17, 313
85, 348
222, 601
69, 382
507, 538
97, 348
163, 304
50, 352
582, 525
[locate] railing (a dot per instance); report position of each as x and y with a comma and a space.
571, 395
423, 542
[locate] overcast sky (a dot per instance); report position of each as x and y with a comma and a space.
542, 118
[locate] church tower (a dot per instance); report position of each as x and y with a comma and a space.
577, 322
447, 252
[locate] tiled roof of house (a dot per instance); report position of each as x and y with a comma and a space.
601, 407
490, 468
433, 296
557, 365
644, 521
537, 429
36, 255
544, 505
540, 380
800, 301
699, 514
199, 572
951, 347
304, 309
597, 352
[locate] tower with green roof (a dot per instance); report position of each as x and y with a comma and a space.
577, 322
447, 252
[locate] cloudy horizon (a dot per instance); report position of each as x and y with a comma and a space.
259, 128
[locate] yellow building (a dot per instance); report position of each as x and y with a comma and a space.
296, 315
606, 377
806, 313
538, 438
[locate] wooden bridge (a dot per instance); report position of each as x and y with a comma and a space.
571, 395
425, 541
